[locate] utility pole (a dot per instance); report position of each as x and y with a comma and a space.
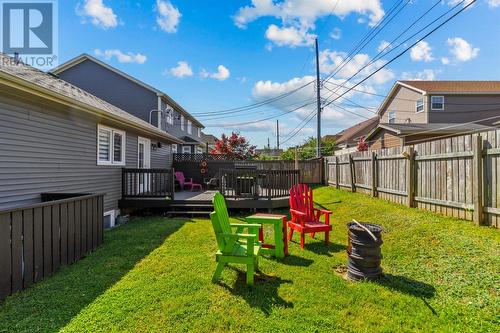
277, 134
318, 101
268, 143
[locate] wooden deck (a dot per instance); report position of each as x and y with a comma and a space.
203, 199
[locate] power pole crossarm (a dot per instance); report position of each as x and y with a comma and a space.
318, 98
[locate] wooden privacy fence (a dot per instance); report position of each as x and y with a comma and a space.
150, 183
36, 240
457, 176
311, 171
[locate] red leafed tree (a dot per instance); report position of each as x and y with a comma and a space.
362, 145
234, 146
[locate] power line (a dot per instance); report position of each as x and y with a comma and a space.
403, 52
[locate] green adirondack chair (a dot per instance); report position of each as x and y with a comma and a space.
234, 246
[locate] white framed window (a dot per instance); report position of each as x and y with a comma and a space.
186, 149
199, 132
392, 117
110, 146
419, 105
199, 150
183, 126
437, 102
174, 148
189, 127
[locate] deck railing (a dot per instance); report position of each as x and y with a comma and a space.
257, 184
148, 183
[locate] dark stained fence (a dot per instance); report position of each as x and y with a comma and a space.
257, 184
148, 183
311, 171
457, 176
36, 240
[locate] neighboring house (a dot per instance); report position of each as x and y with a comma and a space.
56, 137
209, 141
418, 111
135, 97
349, 137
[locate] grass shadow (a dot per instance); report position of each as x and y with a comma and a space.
320, 248
50, 304
293, 260
264, 293
406, 285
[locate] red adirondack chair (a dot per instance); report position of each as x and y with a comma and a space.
306, 218
179, 175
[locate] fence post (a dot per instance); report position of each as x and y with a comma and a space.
353, 173
374, 174
477, 179
337, 173
410, 176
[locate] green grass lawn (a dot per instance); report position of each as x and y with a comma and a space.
153, 275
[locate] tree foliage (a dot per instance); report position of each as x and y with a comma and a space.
234, 146
307, 149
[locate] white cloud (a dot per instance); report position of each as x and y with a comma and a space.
461, 49
456, 2
122, 57
182, 70
425, 75
99, 14
421, 52
330, 61
494, 3
298, 17
336, 34
384, 45
222, 73
289, 36
168, 16
445, 60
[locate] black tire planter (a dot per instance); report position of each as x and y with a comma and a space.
364, 253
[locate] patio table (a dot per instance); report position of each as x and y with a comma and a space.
280, 247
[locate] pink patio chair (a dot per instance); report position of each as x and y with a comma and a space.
179, 175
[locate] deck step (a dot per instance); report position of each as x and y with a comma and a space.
197, 205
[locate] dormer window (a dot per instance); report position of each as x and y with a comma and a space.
189, 127
437, 102
420, 105
182, 123
392, 117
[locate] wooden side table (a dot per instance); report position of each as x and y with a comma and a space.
280, 247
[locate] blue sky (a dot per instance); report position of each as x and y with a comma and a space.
214, 55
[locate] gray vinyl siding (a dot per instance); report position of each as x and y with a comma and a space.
162, 157
123, 93
466, 108
54, 149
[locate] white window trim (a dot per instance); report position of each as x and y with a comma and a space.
183, 125
112, 214
124, 149
190, 149
199, 131
175, 148
432, 108
189, 127
147, 146
389, 116
423, 105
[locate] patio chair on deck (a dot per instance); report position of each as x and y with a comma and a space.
234, 246
306, 218
179, 175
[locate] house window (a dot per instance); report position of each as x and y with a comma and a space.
186, 149
199, 132
190, 127
437, 102
420, 105
110, 146
174, 148
392, 117
170, 117
182, 123
199, 150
